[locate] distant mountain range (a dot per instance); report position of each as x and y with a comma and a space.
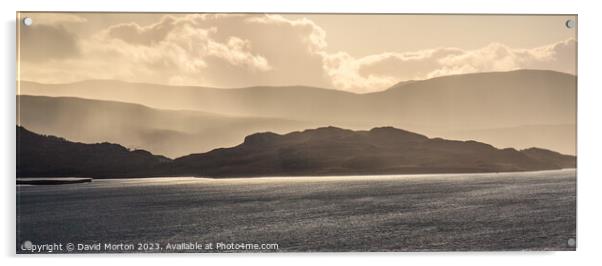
321, 151
519, 109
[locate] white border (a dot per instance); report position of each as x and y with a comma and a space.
589, 127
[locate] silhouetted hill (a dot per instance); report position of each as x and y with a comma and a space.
562, 160
386, 150
49, 156
321, 151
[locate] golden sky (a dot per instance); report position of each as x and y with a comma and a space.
357, 53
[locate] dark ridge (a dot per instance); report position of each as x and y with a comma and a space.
561, 160
383, 150
50, 156
261, 138
320, 151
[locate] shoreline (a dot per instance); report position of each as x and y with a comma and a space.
76, 180
52, 181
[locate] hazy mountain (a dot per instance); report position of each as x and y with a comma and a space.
335, 151
482, 100
322, 151
48, 156
167, 132
286, 101
462, 106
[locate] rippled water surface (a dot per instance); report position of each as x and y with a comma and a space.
496, 211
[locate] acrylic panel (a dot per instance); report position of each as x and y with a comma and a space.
249, 132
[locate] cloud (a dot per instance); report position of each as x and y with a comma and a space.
380, 71
239, 50
48, 38
216, 50
143, 35
560, 56
43, 42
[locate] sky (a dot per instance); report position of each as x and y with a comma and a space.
355, 53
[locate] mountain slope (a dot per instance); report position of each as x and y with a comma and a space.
48, 156
459, 106
168, 132
263, 101
482, 100
335, 151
